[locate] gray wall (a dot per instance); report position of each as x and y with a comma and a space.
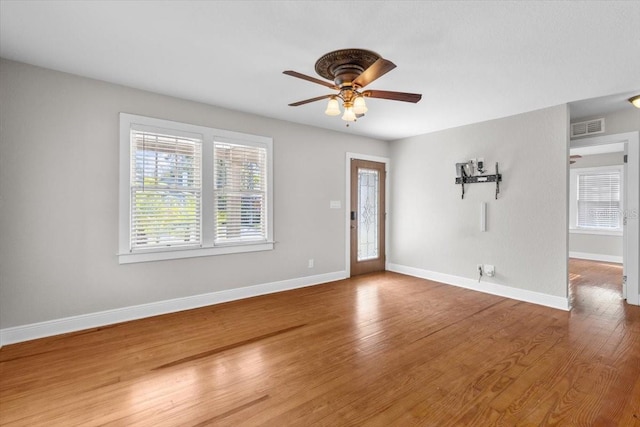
595, 160
434, 230
59, 199
596, 244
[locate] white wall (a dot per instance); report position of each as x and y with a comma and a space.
595, 160
433, 230
603, 247
59, 199
595, 246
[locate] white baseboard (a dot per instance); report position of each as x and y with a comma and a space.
93, 320
552, 301
596, 257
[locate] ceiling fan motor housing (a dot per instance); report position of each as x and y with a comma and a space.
345, 65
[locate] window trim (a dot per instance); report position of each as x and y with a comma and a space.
573, 201
208, 247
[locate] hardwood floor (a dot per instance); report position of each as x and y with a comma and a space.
380, 350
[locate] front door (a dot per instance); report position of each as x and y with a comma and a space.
367, 216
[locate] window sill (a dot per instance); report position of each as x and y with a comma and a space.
162, 255
595, 232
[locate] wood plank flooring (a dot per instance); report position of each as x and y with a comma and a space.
377, 350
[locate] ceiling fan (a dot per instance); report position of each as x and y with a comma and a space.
572, 158
350, 70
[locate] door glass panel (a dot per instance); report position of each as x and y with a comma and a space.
368, 196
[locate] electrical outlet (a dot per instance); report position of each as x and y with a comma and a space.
489, 270
480, 164
311, 263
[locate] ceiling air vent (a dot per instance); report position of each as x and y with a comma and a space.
589, 127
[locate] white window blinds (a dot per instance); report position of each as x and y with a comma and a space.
190, 191
599, 200
165, 190
240, 188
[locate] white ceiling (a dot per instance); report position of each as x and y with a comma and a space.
589, 108
472, 61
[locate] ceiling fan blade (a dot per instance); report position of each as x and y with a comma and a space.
396, 96
306, 101
375, 71
309, 79
575, 156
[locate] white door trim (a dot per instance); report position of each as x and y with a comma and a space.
631, 205
347, 204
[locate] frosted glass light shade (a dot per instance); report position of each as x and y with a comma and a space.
349, 115
359, 106
333, 107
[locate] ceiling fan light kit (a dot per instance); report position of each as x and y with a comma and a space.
348, 115
359, 106
351, 70
333, 107
635, 101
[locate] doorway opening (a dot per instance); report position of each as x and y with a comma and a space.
603, 223
596, 206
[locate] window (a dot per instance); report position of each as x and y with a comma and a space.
188, 190
239, 191
597, 199
166, 188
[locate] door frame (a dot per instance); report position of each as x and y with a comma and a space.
347, 204
631, 204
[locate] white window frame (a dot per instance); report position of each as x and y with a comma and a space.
207, 246
573, 201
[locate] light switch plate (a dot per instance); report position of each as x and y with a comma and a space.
335, 204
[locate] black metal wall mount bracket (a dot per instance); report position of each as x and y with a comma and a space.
497, 178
